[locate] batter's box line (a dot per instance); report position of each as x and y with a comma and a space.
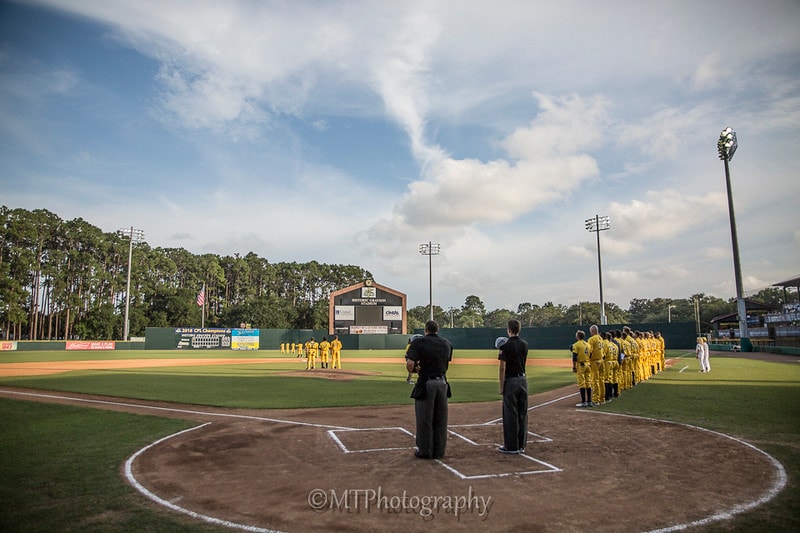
538, 438
548, 469
333, 435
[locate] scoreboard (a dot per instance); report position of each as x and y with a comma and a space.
367, 308
216, 339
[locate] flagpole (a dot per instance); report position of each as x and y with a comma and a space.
203, 314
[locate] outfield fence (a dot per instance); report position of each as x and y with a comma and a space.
677, 335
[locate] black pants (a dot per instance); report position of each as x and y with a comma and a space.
431, 414
515, 412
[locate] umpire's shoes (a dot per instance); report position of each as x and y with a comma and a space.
419, 455
503, 449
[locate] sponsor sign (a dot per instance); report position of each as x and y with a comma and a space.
203, 338
392, 312
344, 312
369, 330
8, 346
244, 339
91, 345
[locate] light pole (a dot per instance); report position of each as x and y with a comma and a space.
598, 224
669, 312
430, 249
726, 147
132, 234
697, 314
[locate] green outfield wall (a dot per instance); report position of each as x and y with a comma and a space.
677, 335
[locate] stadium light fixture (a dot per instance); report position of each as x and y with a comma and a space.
669, 312
726, 147
137, 235
430, 249
596, 225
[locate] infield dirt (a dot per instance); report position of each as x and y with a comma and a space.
353, 469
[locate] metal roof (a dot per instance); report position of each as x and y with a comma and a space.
792, 282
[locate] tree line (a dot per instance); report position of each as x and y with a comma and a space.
67, 279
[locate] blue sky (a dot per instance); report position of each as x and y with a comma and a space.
351, 132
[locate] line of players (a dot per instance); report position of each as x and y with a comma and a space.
329, 353
608, 363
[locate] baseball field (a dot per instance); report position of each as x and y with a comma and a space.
214, 440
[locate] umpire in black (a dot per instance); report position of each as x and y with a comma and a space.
430, 355
514, 388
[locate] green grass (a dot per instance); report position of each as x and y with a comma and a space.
61, 470
61, 465
91, 355
265, 385
756, 401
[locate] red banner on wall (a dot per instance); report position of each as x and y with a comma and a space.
91, 345
7, 346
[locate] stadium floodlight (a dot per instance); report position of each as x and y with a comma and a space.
669, 312
726, 147
137, 235
598, 224
430, 249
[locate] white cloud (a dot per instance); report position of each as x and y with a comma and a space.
665, 214
716, 252
546, 164
710, 73
625, 109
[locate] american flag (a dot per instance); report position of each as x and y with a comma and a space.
201, 297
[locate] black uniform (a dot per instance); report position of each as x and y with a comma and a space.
515, 394
433, 354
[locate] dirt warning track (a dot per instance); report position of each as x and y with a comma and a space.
57, 367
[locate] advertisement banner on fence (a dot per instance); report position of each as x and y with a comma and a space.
91, 345
244, 339
203, 338
8, 346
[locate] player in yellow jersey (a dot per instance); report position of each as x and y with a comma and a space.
626, 368
661, 351
314, 350
336, 352
619, 371
324, 352
311, 357
610, 353
596, 357
632, 354
581, 366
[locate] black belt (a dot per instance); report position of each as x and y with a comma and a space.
436, 377
516, 376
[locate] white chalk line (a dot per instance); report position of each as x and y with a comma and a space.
717, 517
537, 406
161, 501
171, 409
778, 486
